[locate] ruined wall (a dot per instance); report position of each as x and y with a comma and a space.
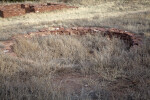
21, 9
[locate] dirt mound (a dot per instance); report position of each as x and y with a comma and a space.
21, 9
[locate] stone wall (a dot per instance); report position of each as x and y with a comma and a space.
21, 9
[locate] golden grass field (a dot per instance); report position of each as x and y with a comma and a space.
60, 67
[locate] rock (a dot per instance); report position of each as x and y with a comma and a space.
21, 9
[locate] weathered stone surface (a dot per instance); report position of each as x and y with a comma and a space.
9, 12
21, 9
130, 38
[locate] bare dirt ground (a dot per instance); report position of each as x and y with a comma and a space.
72, 67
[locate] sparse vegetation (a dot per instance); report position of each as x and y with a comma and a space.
90, 67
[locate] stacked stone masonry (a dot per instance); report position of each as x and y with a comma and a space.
21, 9
130, 38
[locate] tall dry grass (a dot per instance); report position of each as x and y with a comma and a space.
93, 2
77, 68
117, 67
97, 15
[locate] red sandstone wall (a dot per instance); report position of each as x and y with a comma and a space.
11, 10
21, 9
10, 13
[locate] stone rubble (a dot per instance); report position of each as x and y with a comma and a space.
131, 39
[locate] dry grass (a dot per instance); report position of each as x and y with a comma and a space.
87, 14
91, 67
117, 68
